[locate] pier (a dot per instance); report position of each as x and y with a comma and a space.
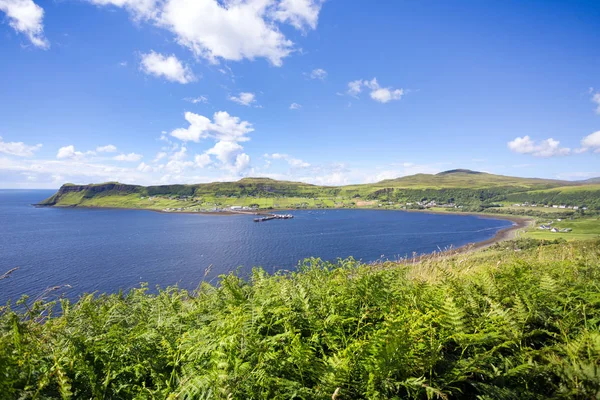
273, 216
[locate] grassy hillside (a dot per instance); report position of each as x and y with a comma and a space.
496, 324
470, 189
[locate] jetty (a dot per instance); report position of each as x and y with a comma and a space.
273, 216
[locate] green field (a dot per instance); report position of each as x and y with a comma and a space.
519, 320
585, 228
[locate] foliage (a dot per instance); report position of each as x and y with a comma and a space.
497, 324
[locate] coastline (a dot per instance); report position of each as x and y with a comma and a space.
509, 233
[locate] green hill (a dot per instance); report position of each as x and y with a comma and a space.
471, 189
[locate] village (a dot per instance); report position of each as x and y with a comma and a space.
561, 206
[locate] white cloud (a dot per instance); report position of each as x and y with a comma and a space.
544, 148
53, 173
590, 142
299, 13
230, 154
227, 131
244, 98
225, 151
131, 157
69, 152
229, 30
242, 162
143, 167
196, 100
377, 93
106, 149
596, 99
295, 106
168, 67
26, 17
18, 149
223, 127
383, 95
318, 73
355, 87
202, 160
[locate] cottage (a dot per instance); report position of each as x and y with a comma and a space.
555, 230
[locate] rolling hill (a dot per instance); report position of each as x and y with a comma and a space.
471, 189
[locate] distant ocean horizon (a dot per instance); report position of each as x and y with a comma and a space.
106, 250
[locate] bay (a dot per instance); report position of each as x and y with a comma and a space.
105, 250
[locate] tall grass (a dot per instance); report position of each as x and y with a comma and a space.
505, 323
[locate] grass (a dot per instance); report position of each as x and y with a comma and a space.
583, 228
494, 324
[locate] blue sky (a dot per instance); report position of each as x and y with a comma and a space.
327, 92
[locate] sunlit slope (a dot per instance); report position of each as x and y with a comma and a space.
457, 185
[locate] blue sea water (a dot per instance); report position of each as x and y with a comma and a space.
107, 250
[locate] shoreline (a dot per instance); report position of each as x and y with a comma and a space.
508, 233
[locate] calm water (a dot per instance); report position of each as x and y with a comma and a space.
105, 250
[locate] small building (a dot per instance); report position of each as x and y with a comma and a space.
555, 230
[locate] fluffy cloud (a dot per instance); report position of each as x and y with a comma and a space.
230, 155
223, 127
293, 162
544, 148
299, 13
131, 157
168, 67
69, 152
244, 98
18, 149
295, 106
106, 149
590, 142
26, 17
377, 93
226, 152
229, 30
318, 73
227, 131
202, 160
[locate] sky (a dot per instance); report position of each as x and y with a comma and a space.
328, 92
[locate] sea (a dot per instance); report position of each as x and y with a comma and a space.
72, 251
